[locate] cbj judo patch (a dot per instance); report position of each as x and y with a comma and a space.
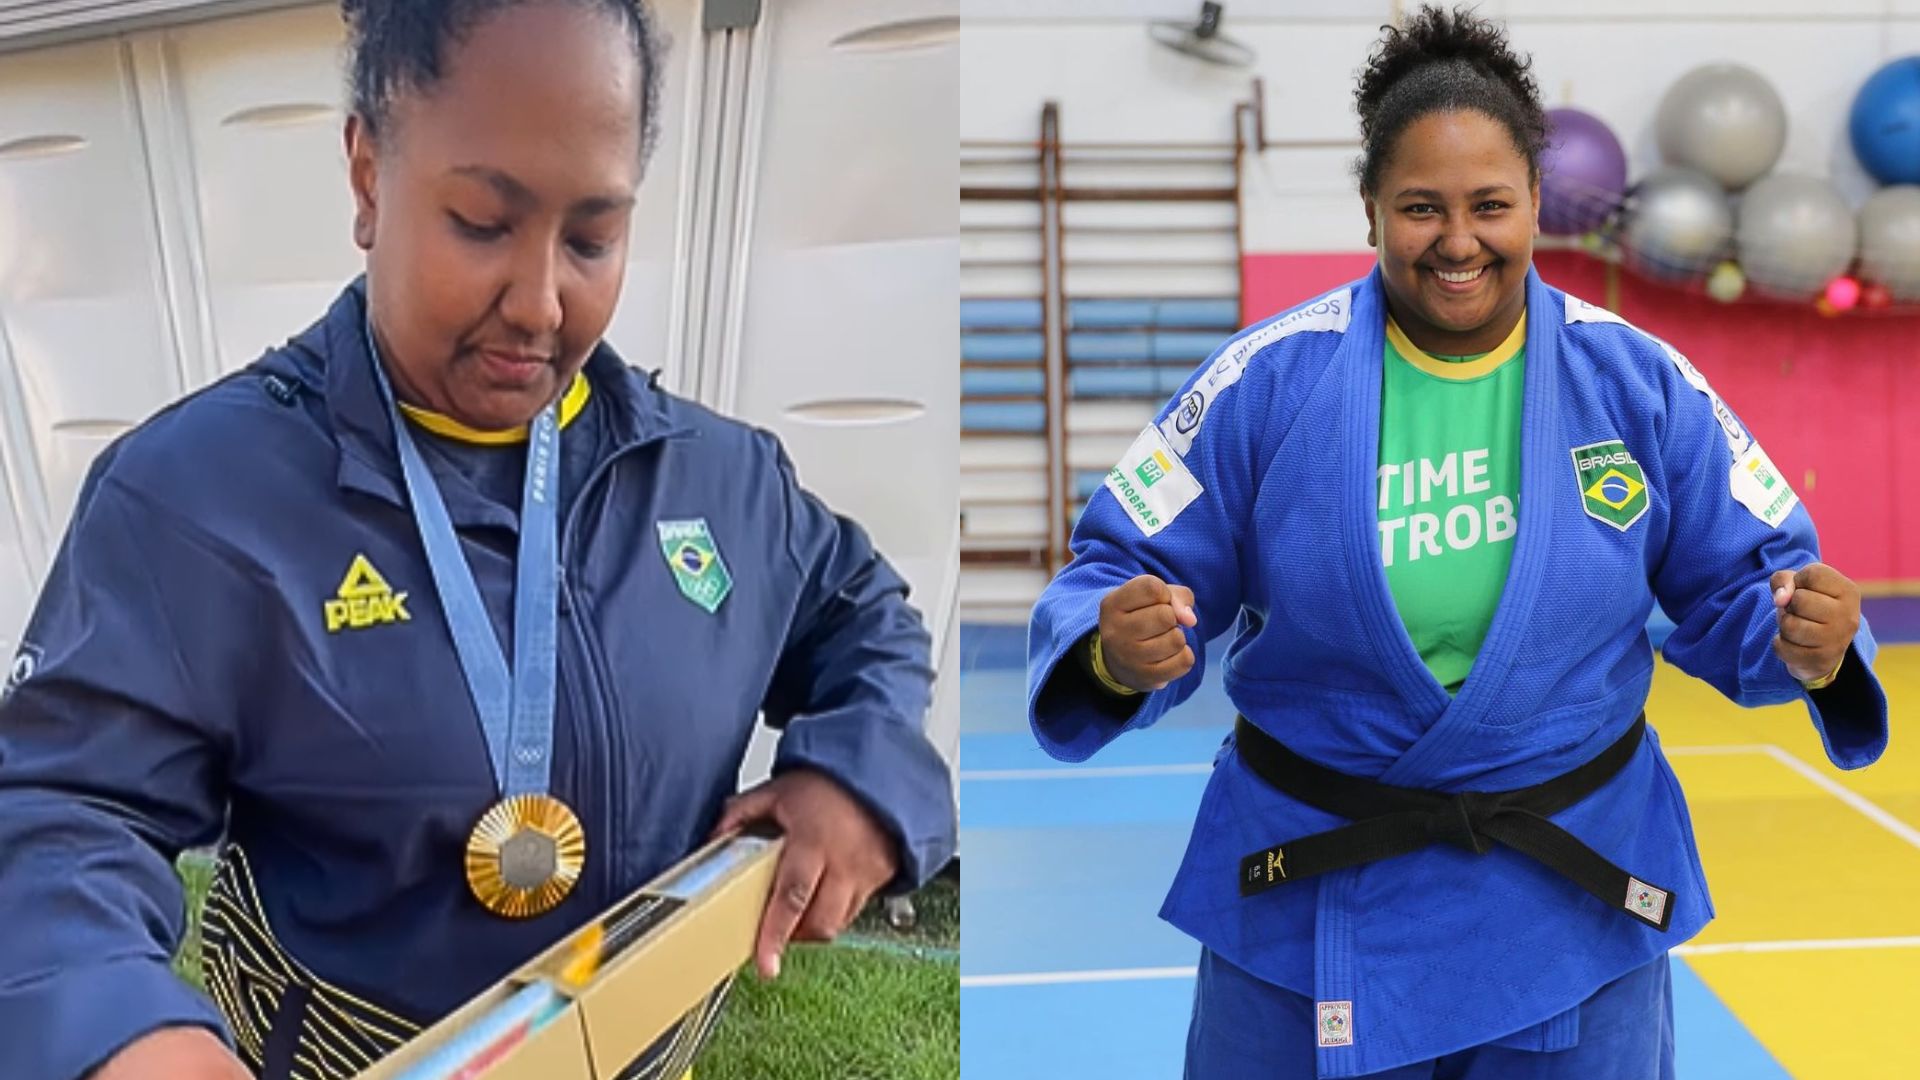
25, 663
364, 599
1612, 487
695, 562
1328, 314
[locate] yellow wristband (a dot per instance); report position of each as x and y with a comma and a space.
1100, 671
1823, 683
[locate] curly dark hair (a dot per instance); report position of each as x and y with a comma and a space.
1441, 61
400, 45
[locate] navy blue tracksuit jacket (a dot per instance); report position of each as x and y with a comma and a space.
179, 683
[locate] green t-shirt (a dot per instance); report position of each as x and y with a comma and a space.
1449, 479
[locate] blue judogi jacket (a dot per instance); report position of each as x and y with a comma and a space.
178, 680
1256, 487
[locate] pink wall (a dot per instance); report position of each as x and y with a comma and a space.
1836, 401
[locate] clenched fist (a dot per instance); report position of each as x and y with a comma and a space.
1142, 632
1818, 609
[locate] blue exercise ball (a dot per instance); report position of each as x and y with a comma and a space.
1885, 124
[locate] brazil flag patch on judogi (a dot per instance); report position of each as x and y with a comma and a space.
1612, 487
695, 562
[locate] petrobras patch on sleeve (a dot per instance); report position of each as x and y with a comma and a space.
1759, 487
1330, 313
1152, 482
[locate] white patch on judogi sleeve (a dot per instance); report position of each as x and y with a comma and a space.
1152, 482
1760, 488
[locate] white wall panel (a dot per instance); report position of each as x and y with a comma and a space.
261, 99
850, 336
863, 136
23, 543
81, 295
640, 323
34, 23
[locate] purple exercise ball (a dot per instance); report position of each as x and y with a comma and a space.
1583, 173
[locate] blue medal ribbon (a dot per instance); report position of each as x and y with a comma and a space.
515, 705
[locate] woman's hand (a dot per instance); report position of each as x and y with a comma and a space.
1818, 609
836, 855
178, 1053
1143, 639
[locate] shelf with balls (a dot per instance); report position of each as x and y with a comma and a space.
1715, 216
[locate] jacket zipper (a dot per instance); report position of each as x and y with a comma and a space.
606, 759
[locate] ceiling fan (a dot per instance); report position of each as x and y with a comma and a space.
1202, 40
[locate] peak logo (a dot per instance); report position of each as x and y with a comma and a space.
364, 599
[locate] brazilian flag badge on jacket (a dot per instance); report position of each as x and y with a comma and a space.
695, 562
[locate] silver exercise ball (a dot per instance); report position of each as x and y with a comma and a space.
1794, 235
1890, 240
1726, 121
1677, 224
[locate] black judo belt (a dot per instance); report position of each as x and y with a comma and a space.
1389, 821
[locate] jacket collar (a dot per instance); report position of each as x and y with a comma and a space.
637, 411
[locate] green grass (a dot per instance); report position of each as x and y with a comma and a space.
196, 873
879, 1003
838, 1013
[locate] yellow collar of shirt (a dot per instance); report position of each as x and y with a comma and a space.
1485, 364
571, 403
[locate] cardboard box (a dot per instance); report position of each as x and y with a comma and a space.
696, 925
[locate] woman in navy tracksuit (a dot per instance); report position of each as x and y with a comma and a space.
250, 630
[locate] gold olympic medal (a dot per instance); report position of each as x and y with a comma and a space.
524, 855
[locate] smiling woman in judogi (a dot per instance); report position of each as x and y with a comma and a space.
451, 626
1435, 507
